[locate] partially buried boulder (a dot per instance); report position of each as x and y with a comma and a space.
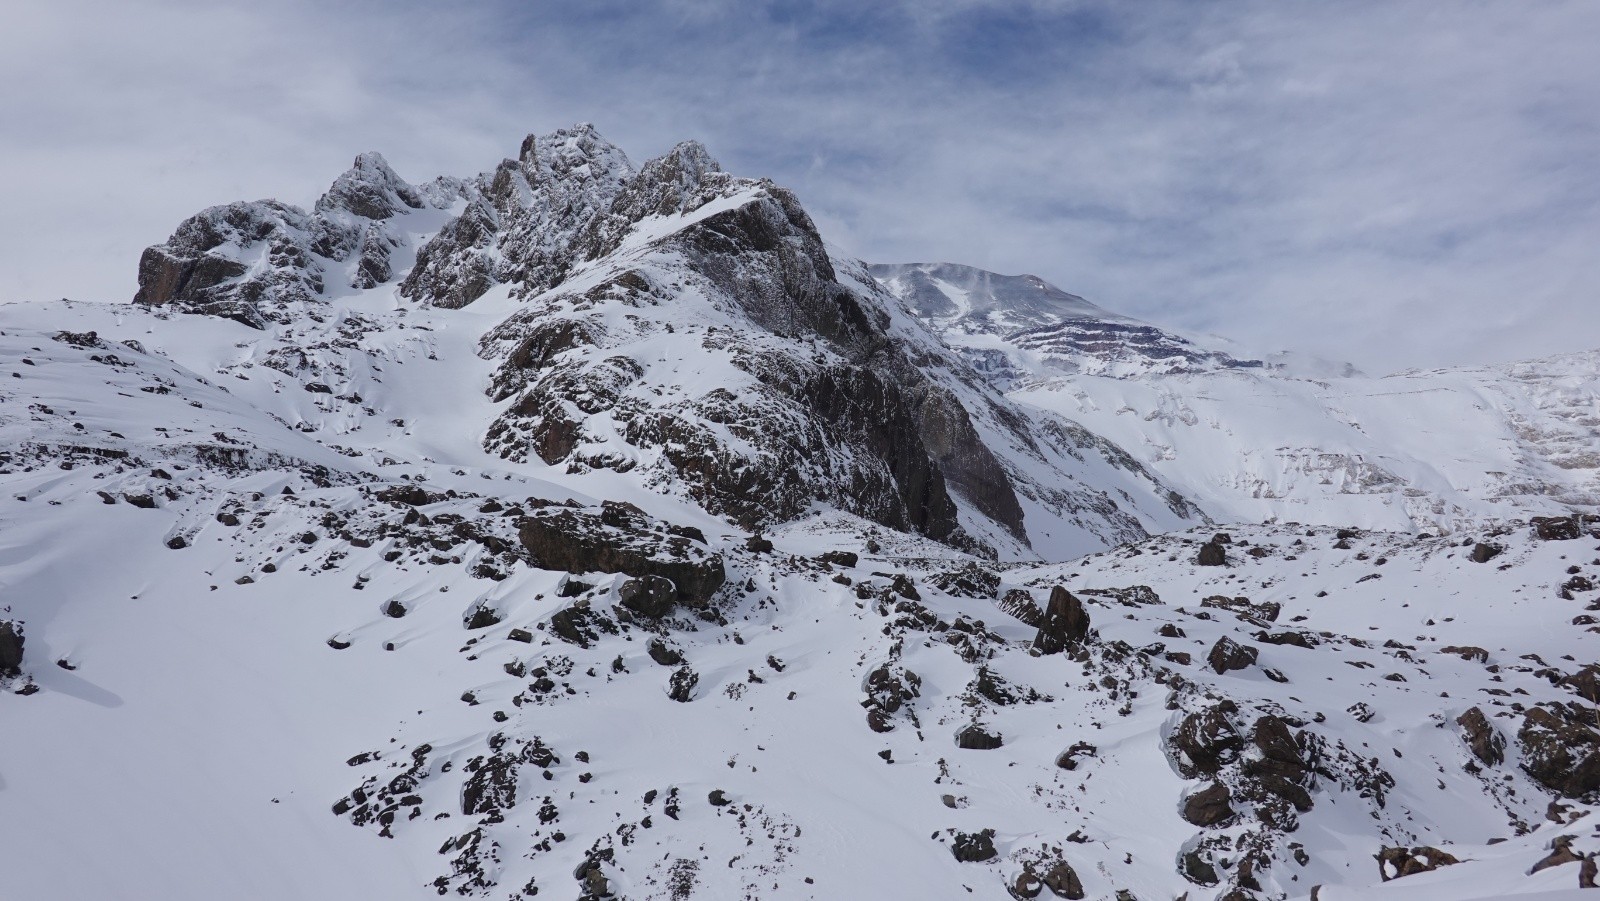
619, 539
976, 738
1212, 554
1483, 552
1228, 654
1486, 744
1558, 528
1065, 623
11, 642
1394, 863
1209, 806
973, 847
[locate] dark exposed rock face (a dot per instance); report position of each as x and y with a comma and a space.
1559, 752
1228, 654
1558, 528
1487, 744
1209, 806
1212, 554
650, 596
976, 738
580, 541
198, 269
1204, 741
1483, 552
11, 644
1065, 623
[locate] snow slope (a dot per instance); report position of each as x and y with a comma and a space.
624, 540
1250, 441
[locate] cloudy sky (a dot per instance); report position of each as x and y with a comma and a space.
1396, 182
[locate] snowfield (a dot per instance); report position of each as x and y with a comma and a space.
624, 540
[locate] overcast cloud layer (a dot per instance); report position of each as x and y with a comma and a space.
1396, 183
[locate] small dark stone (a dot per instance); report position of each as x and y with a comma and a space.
338, 644
663, 654
757, 544
394, 609
718, 798
482, 618
522, 635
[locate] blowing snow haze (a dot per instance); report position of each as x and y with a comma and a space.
594, 522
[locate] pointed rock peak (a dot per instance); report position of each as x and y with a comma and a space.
692, 156
579, 151
371, 189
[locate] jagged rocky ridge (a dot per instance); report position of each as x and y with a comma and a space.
306, 577
691, 329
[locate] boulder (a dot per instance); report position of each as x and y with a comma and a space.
1065, 623
1483, 552
1560, 853
976, 738
1209, 806
846, 559
1212, 554
1228, 654
1486, 744
650, 596
11, 642
1557, 528
1204, 741
1394, 863
973, 847
621, 540
1560, 753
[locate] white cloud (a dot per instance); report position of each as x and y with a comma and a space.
1393, 182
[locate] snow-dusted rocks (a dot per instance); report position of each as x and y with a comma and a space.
645, 546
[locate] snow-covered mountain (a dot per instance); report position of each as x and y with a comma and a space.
1247, 440
584, 529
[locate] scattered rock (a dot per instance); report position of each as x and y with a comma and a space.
394, 609
718, 798
846, 559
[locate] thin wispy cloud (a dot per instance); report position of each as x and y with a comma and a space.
1397, 183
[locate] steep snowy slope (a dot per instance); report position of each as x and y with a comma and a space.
1249, 441
673, 325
